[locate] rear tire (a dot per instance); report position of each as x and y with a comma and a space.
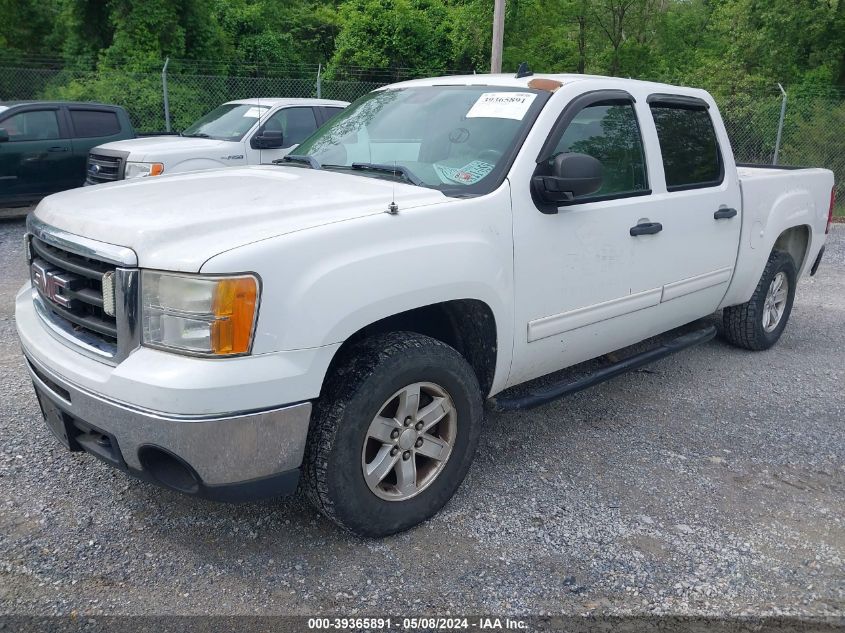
372, 464
759, 323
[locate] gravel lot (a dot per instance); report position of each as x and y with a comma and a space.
711, 483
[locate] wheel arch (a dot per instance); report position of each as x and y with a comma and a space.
467, 325
795, 241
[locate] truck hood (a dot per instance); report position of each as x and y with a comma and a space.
178, 222
159, 147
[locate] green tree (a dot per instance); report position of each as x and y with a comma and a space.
393, 35
25, 27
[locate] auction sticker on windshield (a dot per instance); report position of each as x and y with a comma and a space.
501, 105
469, 174
254, 112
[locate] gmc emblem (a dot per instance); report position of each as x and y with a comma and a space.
50, 282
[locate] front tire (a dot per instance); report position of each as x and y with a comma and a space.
393, 433
759, 323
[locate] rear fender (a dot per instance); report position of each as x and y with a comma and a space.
765, 221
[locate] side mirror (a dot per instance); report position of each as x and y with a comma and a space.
267, 139
573, 175
4, 135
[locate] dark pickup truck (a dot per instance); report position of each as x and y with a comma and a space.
44, 145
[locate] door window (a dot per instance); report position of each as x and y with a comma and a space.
610, 134
34, 125
332, 112
295, 124
92, 123
691, 156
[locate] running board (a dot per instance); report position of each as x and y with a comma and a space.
555, 391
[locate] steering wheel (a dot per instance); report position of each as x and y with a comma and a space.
491, 156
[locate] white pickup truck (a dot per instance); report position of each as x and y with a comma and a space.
338, 320
237, 133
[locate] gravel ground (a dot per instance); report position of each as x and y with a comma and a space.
711, 483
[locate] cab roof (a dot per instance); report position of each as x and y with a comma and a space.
14, 104
277, 101
510, 80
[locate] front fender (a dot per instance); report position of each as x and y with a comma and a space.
195, 164
322, 285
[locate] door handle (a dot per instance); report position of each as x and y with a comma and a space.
646, 228
724, 214
57, 149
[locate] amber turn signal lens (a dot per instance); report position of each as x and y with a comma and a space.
234, 312
156, 169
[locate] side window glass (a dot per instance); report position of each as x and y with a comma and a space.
295, 124
610, 134
35, 125
92, 123
691, 156
332, 112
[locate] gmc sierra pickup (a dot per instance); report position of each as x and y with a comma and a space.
338, 319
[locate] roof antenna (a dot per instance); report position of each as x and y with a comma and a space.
393, 208
523, 71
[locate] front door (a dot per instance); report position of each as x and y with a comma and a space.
296, 124
37, 158
584, 284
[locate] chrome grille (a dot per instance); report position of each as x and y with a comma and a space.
70, 286
103, 168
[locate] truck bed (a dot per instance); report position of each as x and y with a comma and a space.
776, 198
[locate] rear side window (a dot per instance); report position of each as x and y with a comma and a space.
34, 125
332, 112
691, 156
610, 134
90, 123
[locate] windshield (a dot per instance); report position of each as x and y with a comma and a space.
458, 139
228, 122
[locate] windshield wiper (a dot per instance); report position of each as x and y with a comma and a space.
197, 135
403, 171
312, 162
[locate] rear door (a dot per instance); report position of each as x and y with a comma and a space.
698, 201
328, 112
90, 126
37, 158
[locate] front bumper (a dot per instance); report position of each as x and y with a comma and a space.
206, 427
230, 457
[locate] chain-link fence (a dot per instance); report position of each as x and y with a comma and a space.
811, 134
189, 95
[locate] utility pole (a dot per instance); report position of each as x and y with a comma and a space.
498, 36
166, 95
780, 125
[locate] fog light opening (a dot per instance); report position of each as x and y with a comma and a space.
168, 469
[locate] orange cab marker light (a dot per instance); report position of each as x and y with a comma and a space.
544, 84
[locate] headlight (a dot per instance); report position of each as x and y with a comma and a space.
136, 170
198, 314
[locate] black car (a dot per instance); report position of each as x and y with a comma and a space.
44, 145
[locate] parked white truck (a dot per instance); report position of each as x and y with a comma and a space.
237, 133
339, 319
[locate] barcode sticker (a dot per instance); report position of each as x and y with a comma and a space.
501, 105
